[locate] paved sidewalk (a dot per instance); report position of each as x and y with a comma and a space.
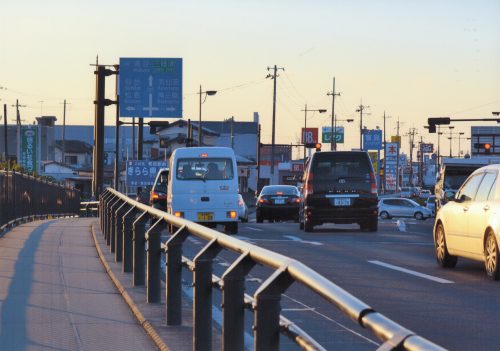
56, 295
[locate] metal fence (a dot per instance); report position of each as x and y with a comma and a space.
22, 196
128, 226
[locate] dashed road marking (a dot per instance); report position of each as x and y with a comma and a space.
255, 229
414, 273
297, 239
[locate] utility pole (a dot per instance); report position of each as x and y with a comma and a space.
421, 168
411, 135
333, 139
140, 139
397, 160
232, 132
117, 131
63, 149
360, 109
133, 138
7, 163
273, 76
385, 142
258, 160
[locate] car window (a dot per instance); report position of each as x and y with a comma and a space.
285, 190
491, 195
485, 187
469, 189
407, 203
161, 183
204, 168
390, 202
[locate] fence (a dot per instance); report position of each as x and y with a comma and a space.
22, 196
128, 226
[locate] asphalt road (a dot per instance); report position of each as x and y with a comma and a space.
394, 271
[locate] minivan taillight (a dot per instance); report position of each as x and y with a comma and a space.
373, 184
309, 184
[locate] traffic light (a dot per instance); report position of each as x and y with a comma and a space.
434, 121
154, 126
316, 146
487, 148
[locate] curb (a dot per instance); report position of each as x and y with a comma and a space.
146, 325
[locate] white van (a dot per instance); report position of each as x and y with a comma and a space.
203, 186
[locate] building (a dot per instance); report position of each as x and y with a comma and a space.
480, 136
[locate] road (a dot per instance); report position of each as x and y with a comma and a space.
394, 271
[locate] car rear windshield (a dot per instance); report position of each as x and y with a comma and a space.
341, 171
204, 168
279, 190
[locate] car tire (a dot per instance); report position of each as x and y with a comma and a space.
491, 257
419, 215
259, 218
232, 228
444, 259
373, 225
384, 215
308, 226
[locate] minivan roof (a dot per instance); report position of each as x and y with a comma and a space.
212, 151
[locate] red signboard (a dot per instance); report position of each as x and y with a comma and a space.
309, 135
298, 167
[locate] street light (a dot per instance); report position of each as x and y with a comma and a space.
321, 110
451, 136
201, 93
334, 134
459, 150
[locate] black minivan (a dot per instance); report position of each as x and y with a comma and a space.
339, 187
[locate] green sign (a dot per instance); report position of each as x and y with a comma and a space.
327, 133
29, 149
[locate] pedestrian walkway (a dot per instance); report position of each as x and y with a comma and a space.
56, 295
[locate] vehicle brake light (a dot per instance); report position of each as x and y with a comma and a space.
179, 214
263, 201
153, 196
373, 184
232, 214
279, 193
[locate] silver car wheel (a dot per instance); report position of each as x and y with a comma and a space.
440, 245
491, 255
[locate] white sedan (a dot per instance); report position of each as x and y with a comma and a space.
469, 225
400, 207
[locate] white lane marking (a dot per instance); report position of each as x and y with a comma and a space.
255, 229
408, 271
310, 309
241, 237
254, 279
313, 310
297, 239
401, 225
193, 240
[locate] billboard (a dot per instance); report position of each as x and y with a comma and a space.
29, 148
326, 133
309, 135
372, 139
391, 163
143, 172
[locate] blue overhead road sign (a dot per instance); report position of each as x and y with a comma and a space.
150, 87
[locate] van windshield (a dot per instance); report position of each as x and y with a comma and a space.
204, 169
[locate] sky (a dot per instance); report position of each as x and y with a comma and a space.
411, 59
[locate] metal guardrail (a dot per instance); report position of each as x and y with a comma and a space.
11, 224
22, 195
89, 208
123, 222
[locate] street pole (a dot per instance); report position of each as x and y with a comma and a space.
360, 110
451, 137
117, 132
303, 134
232, 132
258, 159
273, 138
199, 123
133, 138
140, 139
7, 163
63, 133
333, 139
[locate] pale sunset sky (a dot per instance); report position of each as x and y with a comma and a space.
413, 59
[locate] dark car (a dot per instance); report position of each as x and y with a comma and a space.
143, 195
339, 187
158, 195
278, 202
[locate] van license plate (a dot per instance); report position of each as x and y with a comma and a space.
342, 201
205, 216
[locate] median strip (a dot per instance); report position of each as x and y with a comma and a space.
414, 273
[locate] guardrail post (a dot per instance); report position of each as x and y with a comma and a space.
233, 303
128, 222
119, 213
112, 232
103, 199
202, 282
139, 229
173, 277
153, 268
267, 311
105, 213
109, 218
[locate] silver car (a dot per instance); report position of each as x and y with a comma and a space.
242, 209
469, 225
401, 207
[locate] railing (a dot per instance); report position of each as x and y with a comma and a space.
24, 196
124, 223
89, 208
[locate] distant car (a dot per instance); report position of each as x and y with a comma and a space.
398, 207
242, 209
278, 202
469, 226
158, 194
406, 191
430, 203
424, 194
143, 196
